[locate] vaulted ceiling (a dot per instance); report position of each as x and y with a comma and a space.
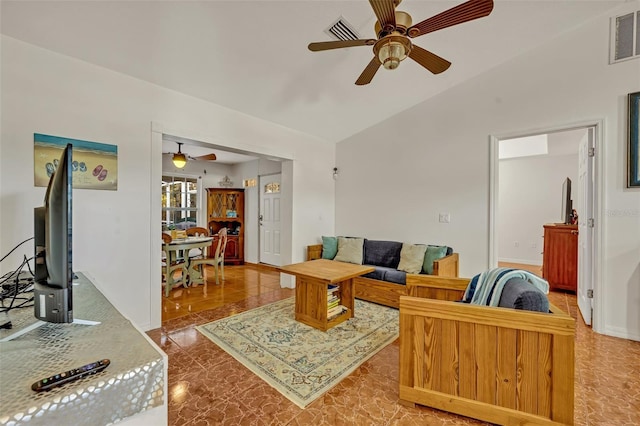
252, 56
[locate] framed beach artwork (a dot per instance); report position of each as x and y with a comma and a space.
95, 165
633, 153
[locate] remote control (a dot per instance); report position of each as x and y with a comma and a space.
69, 376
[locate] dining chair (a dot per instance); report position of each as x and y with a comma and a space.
169, 270
165, 239
196, 231
217, 260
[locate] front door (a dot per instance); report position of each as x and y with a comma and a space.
584, 208
270, 219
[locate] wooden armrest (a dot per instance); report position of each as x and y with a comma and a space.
314, 251
434, 287
447, 266
489, 315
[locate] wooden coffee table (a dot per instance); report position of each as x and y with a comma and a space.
313, 279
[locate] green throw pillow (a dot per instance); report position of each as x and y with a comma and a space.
329, 247
412, 258
433, 253
350, 250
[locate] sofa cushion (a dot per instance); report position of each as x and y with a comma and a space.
382, 253
384, 273
432, 253
378, 274
518, 293
350, 250
412, 258
329, 247
395, 276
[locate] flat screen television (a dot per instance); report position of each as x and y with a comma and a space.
567, 204
53, 301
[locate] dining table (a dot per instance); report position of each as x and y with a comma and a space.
178, 251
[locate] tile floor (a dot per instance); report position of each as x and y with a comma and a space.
209, 387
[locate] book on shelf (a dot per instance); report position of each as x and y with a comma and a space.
331, 288
335, 312
333, 304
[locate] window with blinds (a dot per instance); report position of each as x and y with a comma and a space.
179, 202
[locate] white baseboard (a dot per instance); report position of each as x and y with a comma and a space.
623, 333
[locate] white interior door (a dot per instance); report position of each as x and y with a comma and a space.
270, 217
584, 208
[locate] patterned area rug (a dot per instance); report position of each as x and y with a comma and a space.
299, 361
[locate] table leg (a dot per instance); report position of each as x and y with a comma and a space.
171, 268
195, 275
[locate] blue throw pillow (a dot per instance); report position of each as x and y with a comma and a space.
433, 253
329, 247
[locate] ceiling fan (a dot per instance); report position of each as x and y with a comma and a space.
394, 30
180, 159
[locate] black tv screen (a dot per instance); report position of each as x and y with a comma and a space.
53, 246
567, 204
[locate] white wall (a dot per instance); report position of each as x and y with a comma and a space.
530, 195
268, 167
114, 231
397, 176
249, 170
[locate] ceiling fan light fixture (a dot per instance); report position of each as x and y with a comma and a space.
391, 50
179, 159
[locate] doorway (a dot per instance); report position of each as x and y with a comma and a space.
528, 249
284, 160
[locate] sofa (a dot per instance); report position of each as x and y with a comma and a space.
394, 262
500, 364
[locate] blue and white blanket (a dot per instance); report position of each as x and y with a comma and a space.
486, 288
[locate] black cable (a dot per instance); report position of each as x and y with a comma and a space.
14, 249
6, 277
12, 293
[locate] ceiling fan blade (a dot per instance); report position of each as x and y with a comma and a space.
338, 44
385, 11
430, 61
369, 72
208, 157
468, 11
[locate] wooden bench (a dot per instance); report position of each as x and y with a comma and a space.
499, 365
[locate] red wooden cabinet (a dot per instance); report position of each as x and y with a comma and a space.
560, 256
225, 209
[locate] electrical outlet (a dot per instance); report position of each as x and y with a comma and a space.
445, 218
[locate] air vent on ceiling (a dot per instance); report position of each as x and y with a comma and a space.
625, 37
342, 30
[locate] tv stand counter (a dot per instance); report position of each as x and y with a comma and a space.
132, 388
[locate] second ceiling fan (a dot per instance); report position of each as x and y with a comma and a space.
394, 30
180, 159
